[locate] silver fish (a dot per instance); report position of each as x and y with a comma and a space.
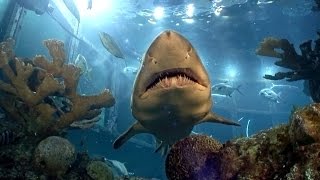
110, 44
225, 89
130, 70
118, 167
269, 94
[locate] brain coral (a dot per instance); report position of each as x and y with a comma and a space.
54, 155
194, 157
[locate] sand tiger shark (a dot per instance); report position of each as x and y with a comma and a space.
172, 92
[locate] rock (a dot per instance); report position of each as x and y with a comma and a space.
54, 155
98, 170
305, 125
194, 157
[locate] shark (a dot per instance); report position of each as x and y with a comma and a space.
171, 93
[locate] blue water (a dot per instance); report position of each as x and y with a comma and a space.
225, 35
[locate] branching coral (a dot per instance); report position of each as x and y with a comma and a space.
29, 88
270, 47
304, 67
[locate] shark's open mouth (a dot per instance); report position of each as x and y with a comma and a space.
178, 77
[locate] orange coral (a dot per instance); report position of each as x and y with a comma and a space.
268, 45
27, 88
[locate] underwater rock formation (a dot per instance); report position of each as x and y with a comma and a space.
32, 91
305, 125
54, 155
289, 151
304, 67
98, 170
198, 151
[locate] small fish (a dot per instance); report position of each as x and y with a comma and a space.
130, 70
118, 168
110, 44
81, 62
269, 94
224, 89
6, 137
89, 4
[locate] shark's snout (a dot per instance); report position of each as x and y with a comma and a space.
168, 33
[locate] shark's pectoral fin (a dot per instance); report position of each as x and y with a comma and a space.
136, 128
212, 117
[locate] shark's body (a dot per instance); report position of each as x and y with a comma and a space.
172, 92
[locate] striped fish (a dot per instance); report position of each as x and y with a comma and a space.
6, 137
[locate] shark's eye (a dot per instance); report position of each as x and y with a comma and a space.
187, 56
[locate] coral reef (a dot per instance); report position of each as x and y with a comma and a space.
198, 151
304, 67
305, 125
39, 100
286, 152
54, 155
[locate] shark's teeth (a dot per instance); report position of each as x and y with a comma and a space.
175, 76
176, 81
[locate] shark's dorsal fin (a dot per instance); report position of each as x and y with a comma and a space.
212, 117
136, 128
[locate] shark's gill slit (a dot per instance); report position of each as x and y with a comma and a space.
183, 76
